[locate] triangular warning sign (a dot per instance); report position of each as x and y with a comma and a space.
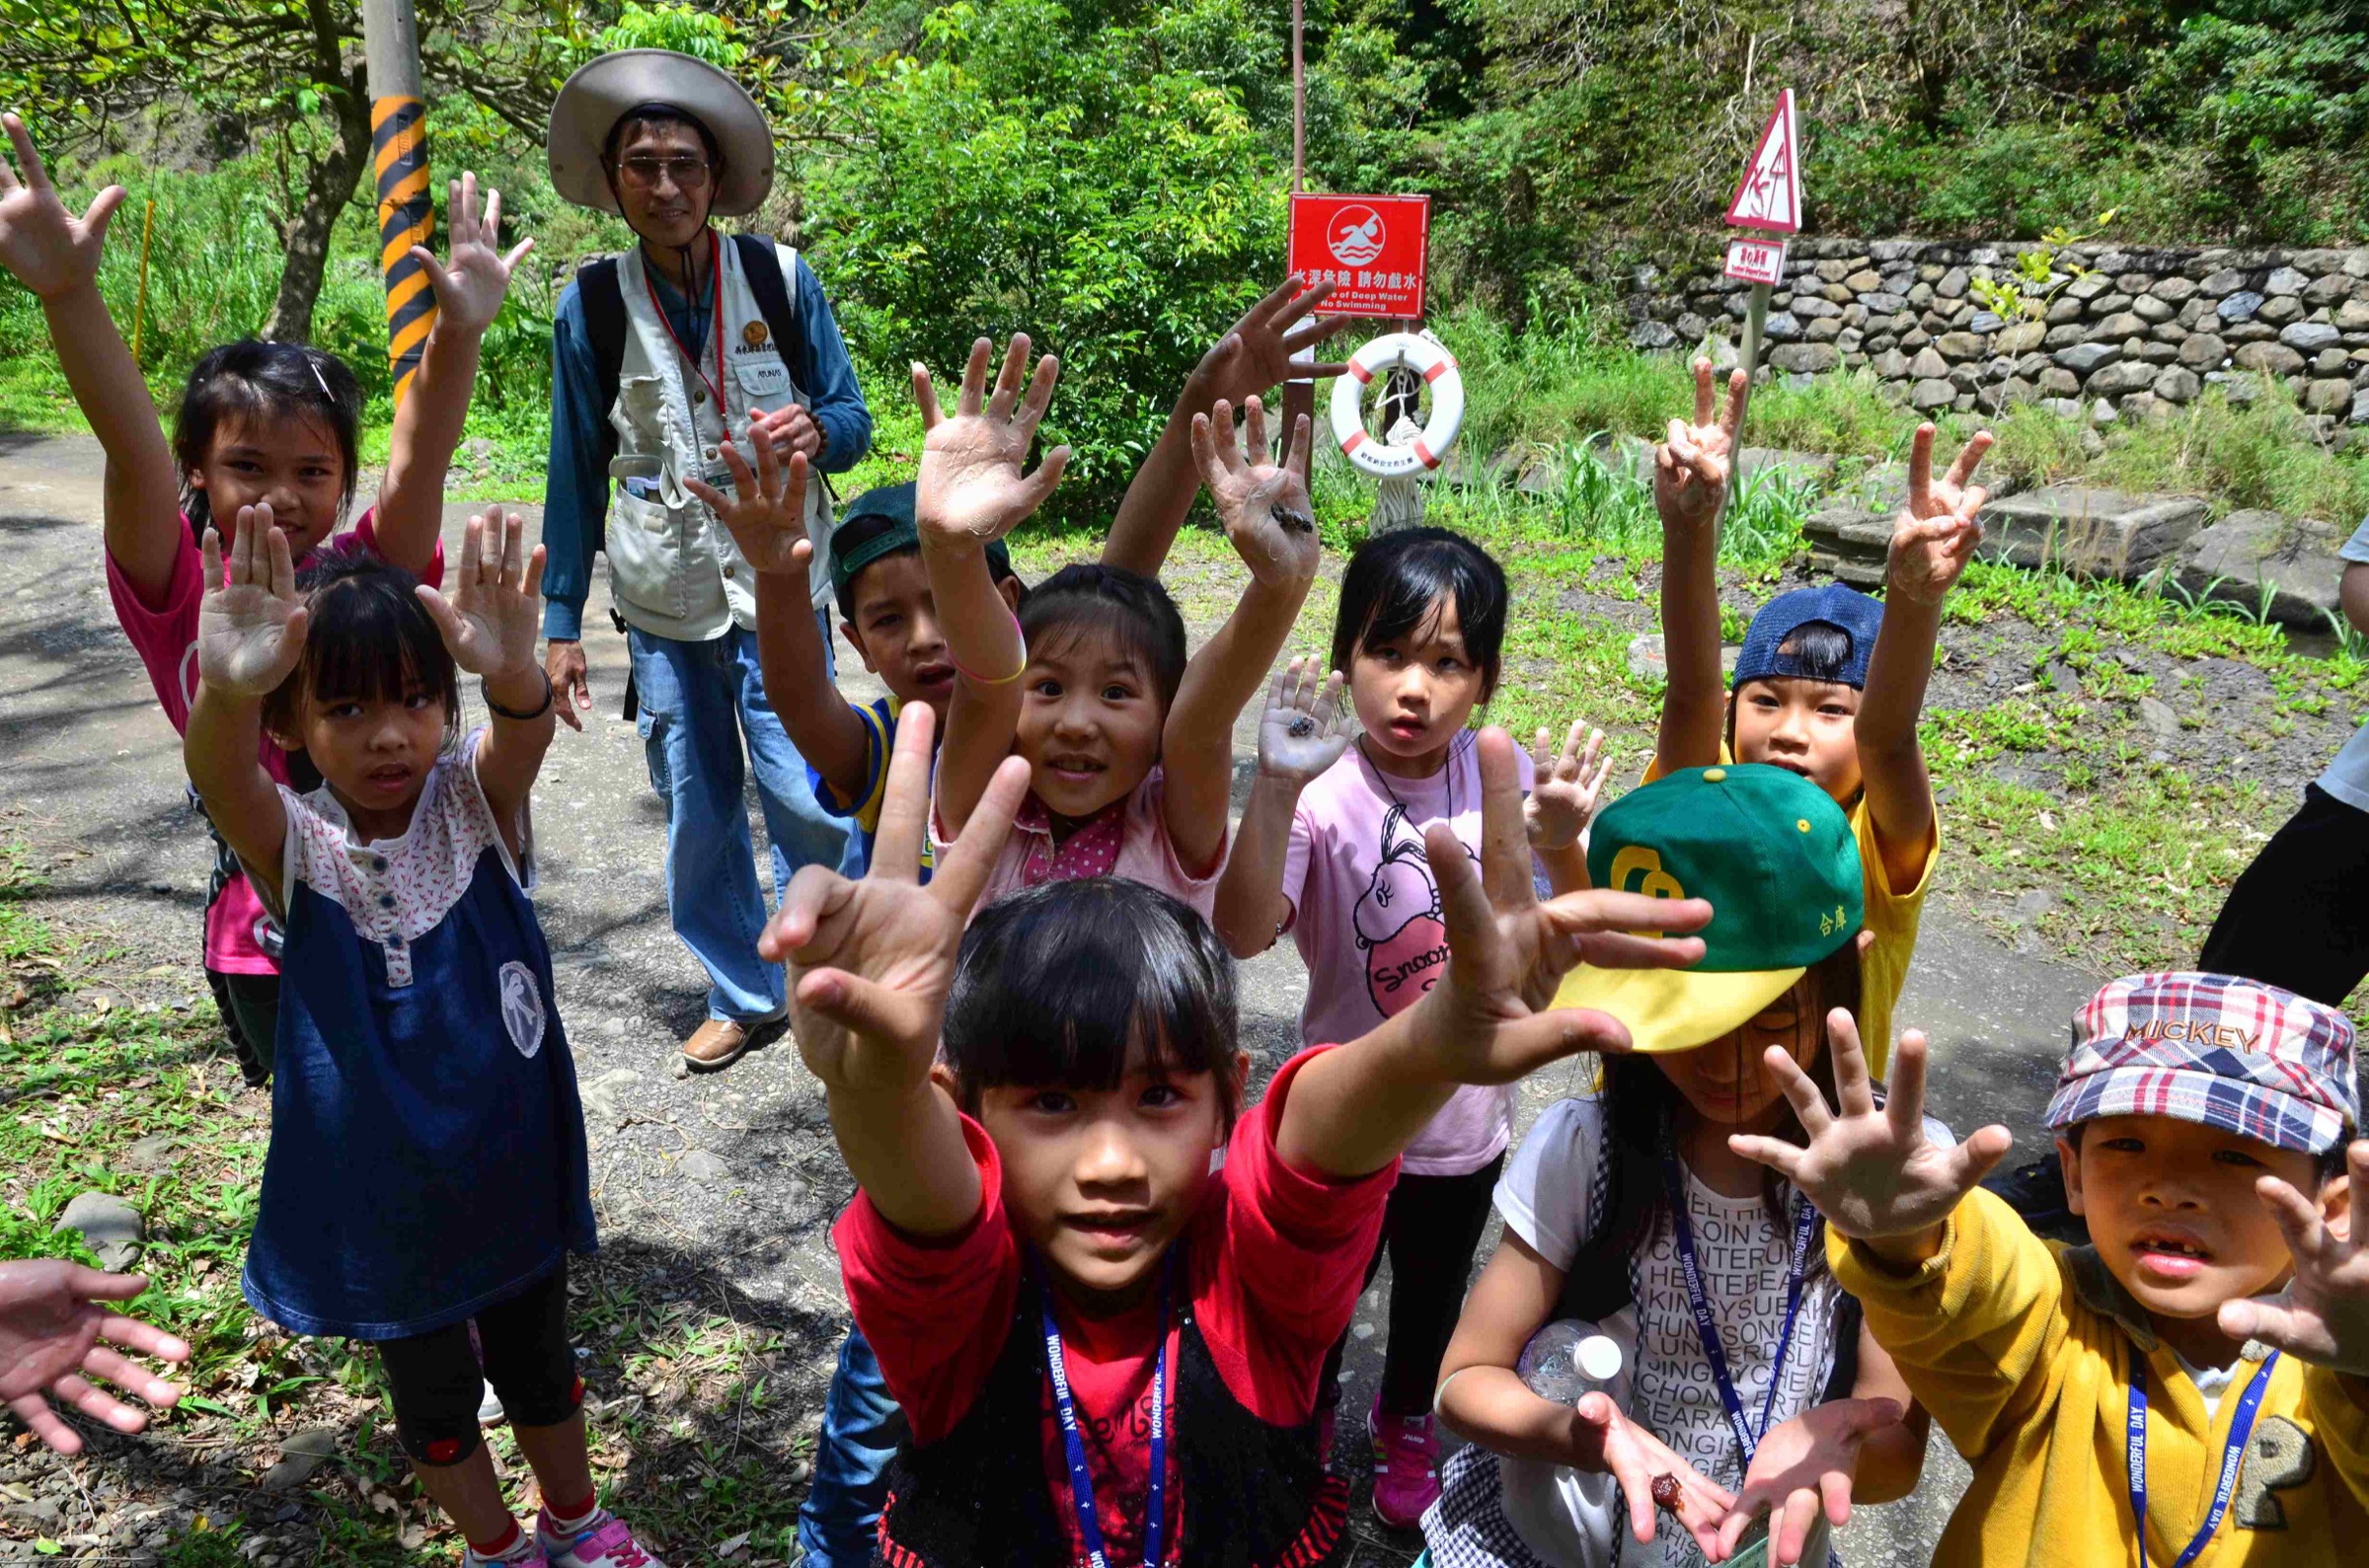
1769, 197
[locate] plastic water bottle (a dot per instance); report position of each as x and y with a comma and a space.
1564, 1362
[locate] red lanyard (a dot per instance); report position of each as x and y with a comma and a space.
715, 333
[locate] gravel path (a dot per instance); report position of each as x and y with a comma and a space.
733, 1173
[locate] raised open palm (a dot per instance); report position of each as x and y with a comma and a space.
47, 247
1508, 952
250, 628
971, 486
766, 513
2323, 1314
1870, 1169
1264, 505
469, 288
491, 621
1257, 351
870, 962
1935, 535
1566, 789
1692, 468
1304, 730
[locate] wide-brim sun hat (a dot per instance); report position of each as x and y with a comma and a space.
1778, 861
604, 90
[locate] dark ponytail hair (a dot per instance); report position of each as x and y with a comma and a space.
254, 380
1639, 1102
1393, 581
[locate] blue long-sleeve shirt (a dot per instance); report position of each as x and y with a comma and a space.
575, 489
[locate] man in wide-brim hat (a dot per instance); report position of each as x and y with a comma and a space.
659, 357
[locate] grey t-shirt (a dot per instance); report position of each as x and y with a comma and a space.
2347, 777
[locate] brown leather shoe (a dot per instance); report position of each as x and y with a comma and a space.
720, 1042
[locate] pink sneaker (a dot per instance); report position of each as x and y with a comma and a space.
1406, 1468
606, 1543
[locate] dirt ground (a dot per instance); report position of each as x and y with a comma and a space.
716, 1192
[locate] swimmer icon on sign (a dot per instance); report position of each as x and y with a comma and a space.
1358, 236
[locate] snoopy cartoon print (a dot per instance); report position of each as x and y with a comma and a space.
1398, 921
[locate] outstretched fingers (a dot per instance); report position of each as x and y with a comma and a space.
1810, 1107
1962, 469
1920, 470
1253, 429
1302, 450
1040, 398
905, 799
46, 1424
2298, 1218
29, 157
1904, 1103
925, 396
1008, 377
130, 1377
1854, 1085
2278, 1322
973, 397
1505, 831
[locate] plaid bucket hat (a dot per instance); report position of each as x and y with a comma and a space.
1779, 865
2239, 1055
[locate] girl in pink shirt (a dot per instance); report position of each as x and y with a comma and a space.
1332, 850
259, 423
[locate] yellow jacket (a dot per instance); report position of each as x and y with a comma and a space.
2021, 1350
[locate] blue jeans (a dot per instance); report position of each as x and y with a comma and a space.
699, 701
839, 1525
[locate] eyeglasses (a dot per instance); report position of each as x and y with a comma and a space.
688, 174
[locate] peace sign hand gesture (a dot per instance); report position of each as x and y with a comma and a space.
1691, 469
766, 513
51, 1329
1256, 351
970, 490
51, 251
490, 623
1269, 519
468, 292
1870, 1171
870, 962
1489, 1015
250, 628
2323, 1315
1935, 535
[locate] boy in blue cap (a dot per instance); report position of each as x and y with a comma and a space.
1830, 682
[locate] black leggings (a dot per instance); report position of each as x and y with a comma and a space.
1430, 1229
438, 1382
2296, 917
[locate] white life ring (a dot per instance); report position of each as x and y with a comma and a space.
1385, 353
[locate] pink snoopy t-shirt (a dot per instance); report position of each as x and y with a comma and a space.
165, 636
1367, 918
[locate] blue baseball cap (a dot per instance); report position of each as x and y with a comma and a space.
1857, 616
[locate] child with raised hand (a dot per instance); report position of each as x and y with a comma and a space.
2194, 1383
259, 423
1031, 1108
1751, 1385
1129, 741
1331, 850
427, 1164
1830, 682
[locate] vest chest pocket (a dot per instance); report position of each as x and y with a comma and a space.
640, 416
646, 550
764, 382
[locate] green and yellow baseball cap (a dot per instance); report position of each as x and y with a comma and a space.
1776, 857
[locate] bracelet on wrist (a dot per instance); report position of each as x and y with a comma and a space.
485, 689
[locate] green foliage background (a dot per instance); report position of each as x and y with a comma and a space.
1110, 176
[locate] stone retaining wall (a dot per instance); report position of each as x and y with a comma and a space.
2140, 332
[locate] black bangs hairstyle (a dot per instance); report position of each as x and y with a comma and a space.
660, 115
1393, 581
1640, 1101
369, 639
250, 381
1133, 611
1058, 983
1822, 649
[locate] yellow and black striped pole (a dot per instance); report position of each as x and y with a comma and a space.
407, 215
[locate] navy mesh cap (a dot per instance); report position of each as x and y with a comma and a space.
1854, 613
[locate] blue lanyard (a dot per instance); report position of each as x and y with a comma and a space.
2240, 1427
1805, 1228
1081, 1481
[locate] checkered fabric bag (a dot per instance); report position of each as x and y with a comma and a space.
2247, 1058
1467, 1527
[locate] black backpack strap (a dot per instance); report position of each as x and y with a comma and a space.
603, 300
1597, 1284
1847, 1316
761, 263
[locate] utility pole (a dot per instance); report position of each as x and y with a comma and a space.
407, 213
1299, 395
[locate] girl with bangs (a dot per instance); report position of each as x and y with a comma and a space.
427, 1164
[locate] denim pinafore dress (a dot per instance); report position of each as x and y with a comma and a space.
427, 1147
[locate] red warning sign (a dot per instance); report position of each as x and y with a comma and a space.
1769, 197
1371, 248
1756, 260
